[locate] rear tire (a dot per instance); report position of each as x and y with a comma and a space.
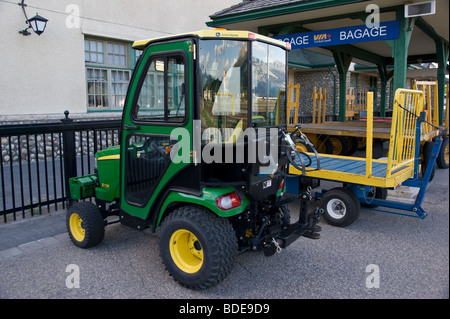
340, 145
341, 207
428, 146
197, 247
323, 145
443, 158
85, 224
352, 145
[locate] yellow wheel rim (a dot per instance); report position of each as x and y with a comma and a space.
361, 142
186, 251
75, 227
320, 146
337, 145
301, 147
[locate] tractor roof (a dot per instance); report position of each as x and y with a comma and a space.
213, 34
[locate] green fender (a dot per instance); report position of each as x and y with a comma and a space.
207, 199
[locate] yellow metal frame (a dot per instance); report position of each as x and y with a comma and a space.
408, 104
223, 101
319, 100
292, 104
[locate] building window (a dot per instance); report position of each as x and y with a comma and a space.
93, 51
119, 86
97, 87
108, 72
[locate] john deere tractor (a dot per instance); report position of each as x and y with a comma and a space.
203, 156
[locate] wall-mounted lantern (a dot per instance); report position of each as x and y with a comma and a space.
37, 23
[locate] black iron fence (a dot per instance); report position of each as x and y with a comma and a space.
38, 159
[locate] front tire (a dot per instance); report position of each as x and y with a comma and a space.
197, 247
85, 224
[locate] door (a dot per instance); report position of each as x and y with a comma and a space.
158, 103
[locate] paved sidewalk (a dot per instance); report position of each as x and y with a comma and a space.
31, 233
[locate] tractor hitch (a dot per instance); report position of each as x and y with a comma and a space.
298, 229
306, 226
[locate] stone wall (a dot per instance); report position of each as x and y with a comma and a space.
49, 145
325, 79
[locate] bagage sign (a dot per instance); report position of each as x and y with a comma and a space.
361, 33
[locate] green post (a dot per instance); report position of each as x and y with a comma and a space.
342, 62
384, 76
442, 57
400, 51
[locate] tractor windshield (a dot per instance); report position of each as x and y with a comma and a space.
268, 85
227, 82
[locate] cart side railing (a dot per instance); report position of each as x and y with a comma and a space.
405, 127
408, 105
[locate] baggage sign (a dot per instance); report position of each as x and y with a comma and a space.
361, 33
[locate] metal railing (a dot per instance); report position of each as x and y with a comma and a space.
38, 159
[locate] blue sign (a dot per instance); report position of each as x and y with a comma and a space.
361, 33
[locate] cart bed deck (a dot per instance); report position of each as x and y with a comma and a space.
404, 135
353, 170
357, 128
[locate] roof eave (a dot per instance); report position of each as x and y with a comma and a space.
274, 11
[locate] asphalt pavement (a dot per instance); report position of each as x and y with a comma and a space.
380, 256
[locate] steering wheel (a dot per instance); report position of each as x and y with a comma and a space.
151, 145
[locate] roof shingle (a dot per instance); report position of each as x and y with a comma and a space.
252, 5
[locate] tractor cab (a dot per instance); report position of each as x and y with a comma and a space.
202, 113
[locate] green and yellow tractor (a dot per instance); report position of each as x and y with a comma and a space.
203, 156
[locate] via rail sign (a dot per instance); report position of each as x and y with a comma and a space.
354, 34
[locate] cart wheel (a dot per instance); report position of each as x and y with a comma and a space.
428, 146
352, 145
302, 147
361, 143
324, 145
443, 157
340, 145
197, 247
341, 207
85, 224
